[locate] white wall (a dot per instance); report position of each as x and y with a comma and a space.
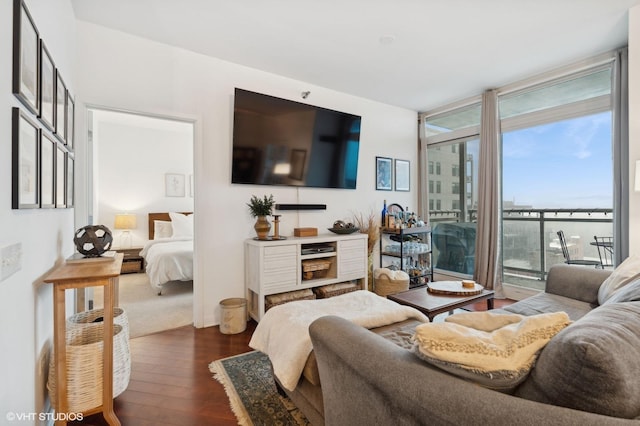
26, 310
634, 128
132, 155
121, 71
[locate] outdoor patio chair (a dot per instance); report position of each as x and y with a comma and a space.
567, 257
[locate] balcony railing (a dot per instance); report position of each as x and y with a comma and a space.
529, 238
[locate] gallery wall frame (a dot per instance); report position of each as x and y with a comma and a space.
174, 185
60, 177
47, 87
48, 148
25, 57
60, 117
24, 163
70, 114
70, 185
402, 176
383, 174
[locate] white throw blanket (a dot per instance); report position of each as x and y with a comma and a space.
486, 341
283, 332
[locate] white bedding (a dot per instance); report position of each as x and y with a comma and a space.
283, 331
168, 259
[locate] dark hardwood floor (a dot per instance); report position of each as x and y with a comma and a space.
170, 379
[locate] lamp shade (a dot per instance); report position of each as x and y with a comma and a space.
125, 221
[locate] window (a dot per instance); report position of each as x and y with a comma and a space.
557, 173
430, 167
438, 168
453, 229
430, 186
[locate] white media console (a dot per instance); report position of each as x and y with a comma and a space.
273, 267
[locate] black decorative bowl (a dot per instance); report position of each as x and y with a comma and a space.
343, 230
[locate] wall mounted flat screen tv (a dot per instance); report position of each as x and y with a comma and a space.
282, 142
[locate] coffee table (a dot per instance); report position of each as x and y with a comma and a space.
434, 304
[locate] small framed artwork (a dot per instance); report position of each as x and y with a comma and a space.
297, 160
47, 87
25, 57
71, 109
60, 108
383, 174
60, 177
70, 183
25, 147
47, 172
402, 177
174, 185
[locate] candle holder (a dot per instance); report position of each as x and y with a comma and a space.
276, 226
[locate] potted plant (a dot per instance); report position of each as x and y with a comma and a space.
261, 208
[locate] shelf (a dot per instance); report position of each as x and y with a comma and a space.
318, 255
406, 231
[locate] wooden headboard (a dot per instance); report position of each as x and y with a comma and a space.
160, 216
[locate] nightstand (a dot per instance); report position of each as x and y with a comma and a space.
132, 263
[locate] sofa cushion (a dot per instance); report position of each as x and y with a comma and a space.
627, 271
544, 303
592, 365
494, 350
628, 293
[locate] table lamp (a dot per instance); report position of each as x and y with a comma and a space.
126, 221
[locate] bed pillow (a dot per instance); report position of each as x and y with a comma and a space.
627, 271
162, 229
182, 225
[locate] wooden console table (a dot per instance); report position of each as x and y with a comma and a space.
83, 275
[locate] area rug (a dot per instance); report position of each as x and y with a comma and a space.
248, 381
147, 312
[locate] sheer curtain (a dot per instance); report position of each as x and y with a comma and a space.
621, 156
488, 267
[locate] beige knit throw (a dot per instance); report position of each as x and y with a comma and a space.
487, 341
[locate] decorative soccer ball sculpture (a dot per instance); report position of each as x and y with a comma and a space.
93, 240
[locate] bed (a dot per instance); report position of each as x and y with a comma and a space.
168, 254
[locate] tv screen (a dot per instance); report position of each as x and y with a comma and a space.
282, 142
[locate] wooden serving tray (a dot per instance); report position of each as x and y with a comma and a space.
453, 288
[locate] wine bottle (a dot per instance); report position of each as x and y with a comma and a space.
384, 214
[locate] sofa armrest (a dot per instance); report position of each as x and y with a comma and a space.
367, 380
577, 282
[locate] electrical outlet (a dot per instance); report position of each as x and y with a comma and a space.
10, 260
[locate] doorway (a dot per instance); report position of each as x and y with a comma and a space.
142, 164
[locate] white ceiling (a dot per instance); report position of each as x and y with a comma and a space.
416, 54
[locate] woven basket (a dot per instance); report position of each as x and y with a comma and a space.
95, 317
84, 366
331, 290
316, 268
290, 296
384, 285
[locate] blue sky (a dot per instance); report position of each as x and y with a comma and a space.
566, 164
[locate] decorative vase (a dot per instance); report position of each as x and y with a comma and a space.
262, 227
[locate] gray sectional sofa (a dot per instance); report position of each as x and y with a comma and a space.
588, 374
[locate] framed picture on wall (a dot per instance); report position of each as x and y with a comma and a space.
383, 174
70, 183
402, 176
174, 185
60, 108
47, 87
25, 147
60, 177
25, 57
71, 108
47, 171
